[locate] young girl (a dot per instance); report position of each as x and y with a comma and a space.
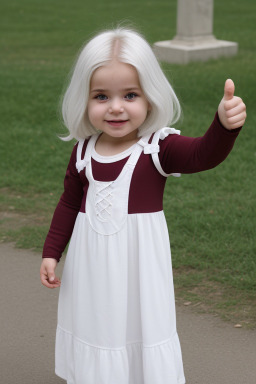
116, 314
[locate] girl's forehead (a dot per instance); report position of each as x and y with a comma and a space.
115, 72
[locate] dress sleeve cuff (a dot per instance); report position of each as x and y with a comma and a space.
228, 131
51, 257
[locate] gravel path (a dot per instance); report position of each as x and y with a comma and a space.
214, 352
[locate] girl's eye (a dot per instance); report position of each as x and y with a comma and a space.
131, 96
101, 97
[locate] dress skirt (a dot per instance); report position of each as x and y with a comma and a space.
116, 313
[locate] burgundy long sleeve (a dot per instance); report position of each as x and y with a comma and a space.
178, 154
65, 213
189, 155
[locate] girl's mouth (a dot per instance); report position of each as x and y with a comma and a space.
116, 123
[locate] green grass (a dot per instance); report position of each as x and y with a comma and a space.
211, 215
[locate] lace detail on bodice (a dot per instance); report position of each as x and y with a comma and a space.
103, 199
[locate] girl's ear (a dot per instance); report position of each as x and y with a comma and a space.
149, 107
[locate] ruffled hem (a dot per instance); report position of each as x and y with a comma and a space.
80, 363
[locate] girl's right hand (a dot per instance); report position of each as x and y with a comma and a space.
47, 273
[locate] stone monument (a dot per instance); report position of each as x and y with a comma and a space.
194, 40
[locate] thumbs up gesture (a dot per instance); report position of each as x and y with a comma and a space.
231, 110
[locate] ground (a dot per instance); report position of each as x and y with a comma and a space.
214, 352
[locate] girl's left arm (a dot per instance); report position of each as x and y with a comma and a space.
181, 154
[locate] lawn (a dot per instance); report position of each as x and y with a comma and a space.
211, 215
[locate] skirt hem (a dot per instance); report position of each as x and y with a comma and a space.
79, 362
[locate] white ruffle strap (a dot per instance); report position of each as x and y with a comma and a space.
151, 148
80, 163
164, 132
148, 149
161, 134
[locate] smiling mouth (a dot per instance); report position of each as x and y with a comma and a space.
116, 123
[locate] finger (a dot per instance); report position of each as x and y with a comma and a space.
46, 283
229, 104
229, 89
48, 278
240, 108
51, 276
55, 281
239, 124
234, 120
44, 280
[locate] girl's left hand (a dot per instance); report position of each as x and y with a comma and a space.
231, 110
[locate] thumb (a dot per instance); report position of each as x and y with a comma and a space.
51, 275
229, 89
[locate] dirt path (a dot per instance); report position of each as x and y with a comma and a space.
213, 351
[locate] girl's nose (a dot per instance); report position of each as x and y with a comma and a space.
116, 107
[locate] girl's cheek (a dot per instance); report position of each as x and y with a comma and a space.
94, 110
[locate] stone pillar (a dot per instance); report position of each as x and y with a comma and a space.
194, 40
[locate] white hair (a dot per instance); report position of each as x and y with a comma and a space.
134, 50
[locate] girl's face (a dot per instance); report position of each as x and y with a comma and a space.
117, 105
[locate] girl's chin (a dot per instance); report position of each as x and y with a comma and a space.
120, 134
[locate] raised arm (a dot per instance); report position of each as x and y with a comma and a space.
181, 154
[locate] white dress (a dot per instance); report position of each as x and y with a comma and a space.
116, 314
